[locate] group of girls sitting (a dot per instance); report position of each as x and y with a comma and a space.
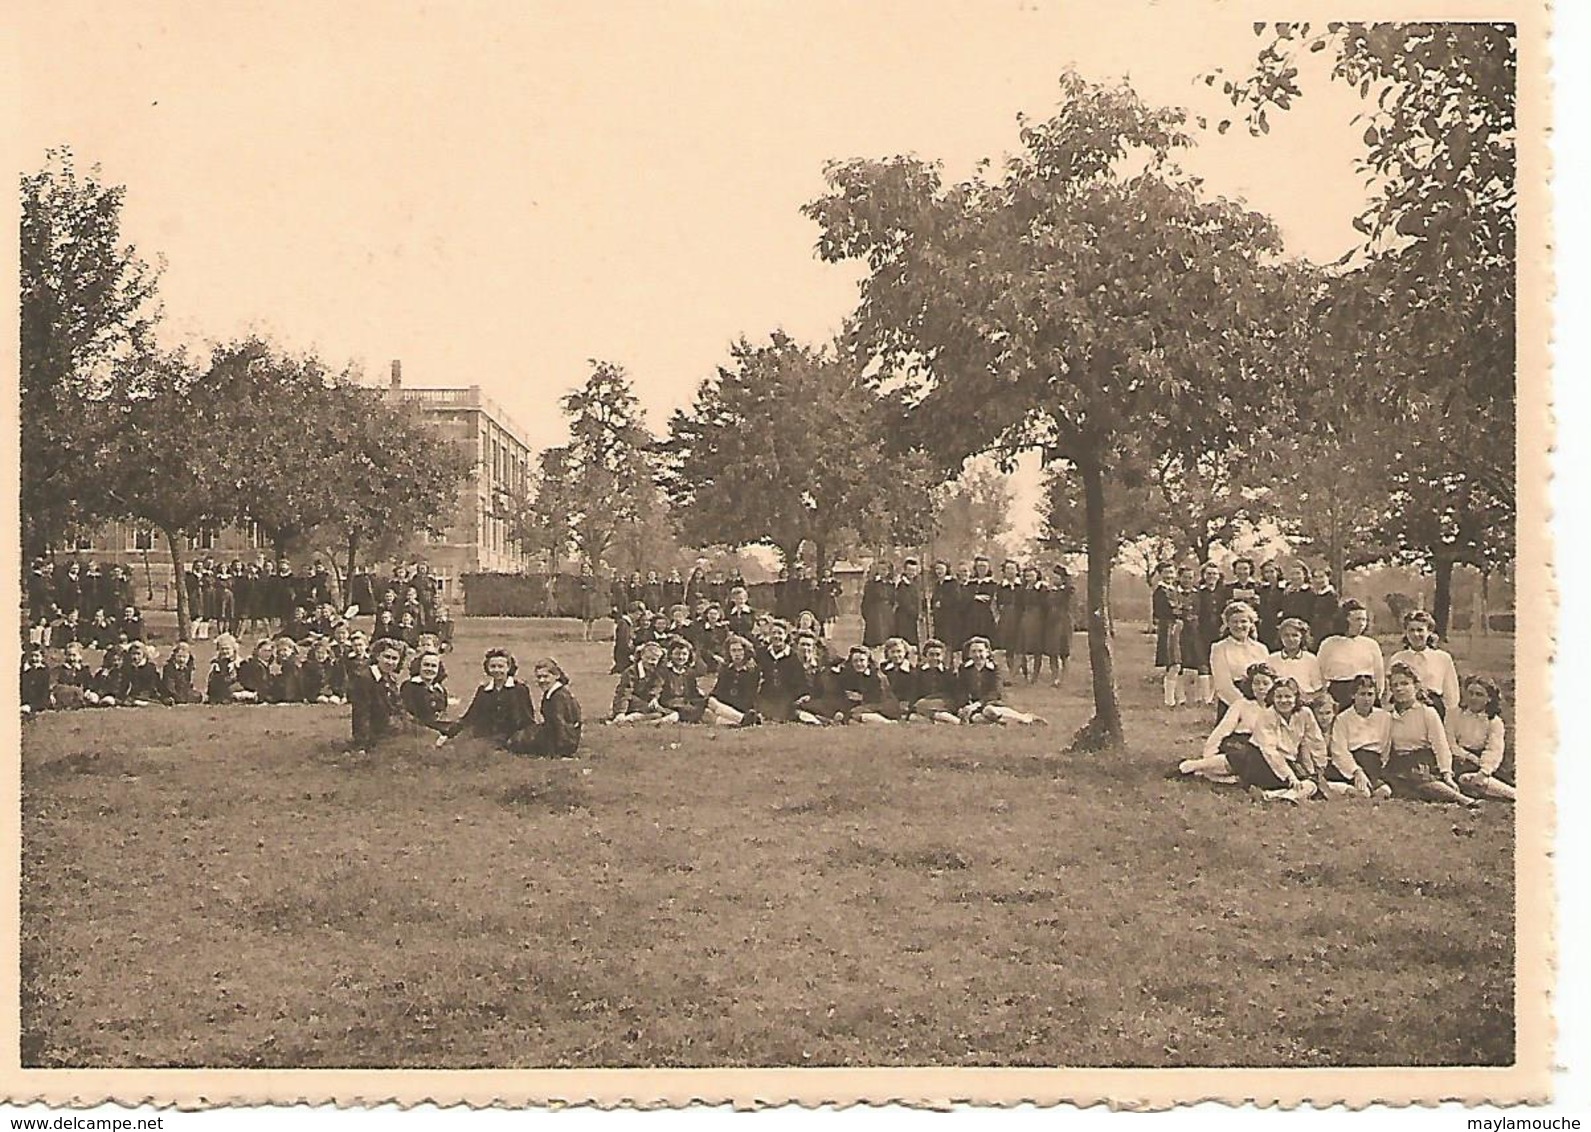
1295, 724
789, 676
501, 711
128, 675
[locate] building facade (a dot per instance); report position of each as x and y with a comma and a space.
476, 539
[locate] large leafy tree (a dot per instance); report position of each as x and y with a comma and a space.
1082, 297
608, 461
972, 513
393, 475
283, 426
160, 468
788, 445
1440, 231
88, 307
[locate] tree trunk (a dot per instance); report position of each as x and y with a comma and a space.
822, 548
1442, 603
1104, 730
1486, 603
184, 614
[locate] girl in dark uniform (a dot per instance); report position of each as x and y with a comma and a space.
1008, 605
1166, 608
558, 734
1030, 626
981, 593
1209, 607
734, 696
1269, 605
501, 707
1058, 623
878, 606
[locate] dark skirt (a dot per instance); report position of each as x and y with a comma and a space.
876, 625
1195, 649
1368, 760
1168, 644
1407, 771
1251, 768
1058, 631
1030, 632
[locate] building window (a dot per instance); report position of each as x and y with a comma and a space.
255, 534
85, 542
202, 539
140, 538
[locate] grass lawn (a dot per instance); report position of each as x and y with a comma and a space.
227, 887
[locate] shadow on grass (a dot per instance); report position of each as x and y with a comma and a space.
934, 859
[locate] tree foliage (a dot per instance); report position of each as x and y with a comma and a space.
972, 513
608, 460
1084, 298
88, 306
785, 446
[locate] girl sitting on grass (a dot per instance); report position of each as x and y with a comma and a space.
1361, 736
501, 706
866, 696
177, 675
679, 695
558, 733
424, 696
74, 680
1234, 734
1478, 740
1288, 746
983, 692
935, 688
734, 698
635, 697
1421, 762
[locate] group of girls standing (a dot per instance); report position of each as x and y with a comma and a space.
1293, 724
1020, 612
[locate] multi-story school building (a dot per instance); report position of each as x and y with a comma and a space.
474, 541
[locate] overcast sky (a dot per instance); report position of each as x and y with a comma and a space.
495, 192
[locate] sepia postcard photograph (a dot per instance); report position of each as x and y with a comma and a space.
623, 553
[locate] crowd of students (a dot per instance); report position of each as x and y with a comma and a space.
1294, 722
731, 664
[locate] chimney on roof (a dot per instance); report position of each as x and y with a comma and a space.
397, 374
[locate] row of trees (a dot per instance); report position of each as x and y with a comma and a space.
114, 426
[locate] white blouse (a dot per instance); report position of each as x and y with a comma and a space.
1435, 669
1229, 661
1480, 735
1303, 668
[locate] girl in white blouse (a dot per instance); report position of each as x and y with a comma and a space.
1291, 751
1231, 656
1475, 730
1353, 654
1433, 666
1294, 658
1421, 763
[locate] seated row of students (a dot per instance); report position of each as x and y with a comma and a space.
790, 678
100, 630
1285, 744
127, 675
501, 711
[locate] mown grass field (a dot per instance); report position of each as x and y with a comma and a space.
228, 887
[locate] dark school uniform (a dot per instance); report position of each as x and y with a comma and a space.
618, 595
101, 633
636, 690
1009, 602
178, 679
1058, 622
654, 595
1030, 623
738, 687
377, 705
908, 609
558, 733
866, 692
36, 686
981, 684
1270, 611
673, 590
828, 600
140, 682
497, 713
1299, 604
623, 643
784, 681
255, 676
878, 611
132, 627
679, 692
1326, 618
741, 619
902, 681
696, 586
286, 684
935, 688
712, 642
222, 682
1207, 602
1249, 591
69, 592
945, 609
978, 614
425, 703
71, 681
